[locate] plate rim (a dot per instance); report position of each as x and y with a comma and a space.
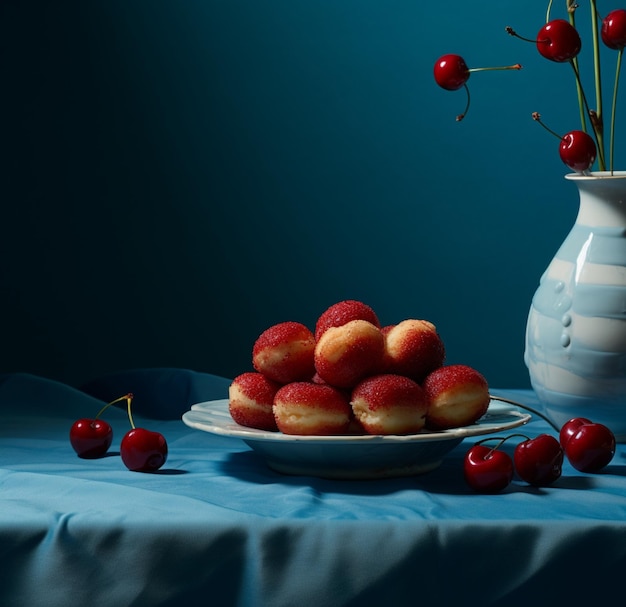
518, 418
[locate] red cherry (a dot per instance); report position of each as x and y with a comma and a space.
570, 428
538, 460
487, 470
591, 447
143, 450
577, 150
613, 30
91, 438
558, 41
451, 72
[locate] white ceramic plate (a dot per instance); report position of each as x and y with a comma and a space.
351, 456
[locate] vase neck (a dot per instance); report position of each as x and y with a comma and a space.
602, 201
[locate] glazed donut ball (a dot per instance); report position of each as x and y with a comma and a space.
305, 408
389, 404
343, 312
251, 399
346, 354
457, 395
284, 352
413, 348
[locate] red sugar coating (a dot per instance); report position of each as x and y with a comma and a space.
385, 330
251, 397
257, 387
452, 377
387, 391
316, 379
389, 404
457, 395
346, 354
284, 352
253, 419
280, 333
305, 408
413, 348
318, 396
343, 312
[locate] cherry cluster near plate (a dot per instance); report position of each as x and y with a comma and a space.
141, 450
588, 446
352, 375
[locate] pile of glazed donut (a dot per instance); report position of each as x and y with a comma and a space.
353, 376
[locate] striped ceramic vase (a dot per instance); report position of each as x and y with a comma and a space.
576, 331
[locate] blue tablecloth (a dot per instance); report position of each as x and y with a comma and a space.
217, 527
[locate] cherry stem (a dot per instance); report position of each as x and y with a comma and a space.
129, 400
596, 62
509, 30
594, 119
502, 440
517, 66
527, 408
612, 134
117, 400
579, 92
467, 105
537, 118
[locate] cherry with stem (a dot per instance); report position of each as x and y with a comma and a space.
517, 66
91, 438
589, 446
488, 470
142, 450
452, 73
577, 149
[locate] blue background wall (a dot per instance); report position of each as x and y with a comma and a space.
179, 175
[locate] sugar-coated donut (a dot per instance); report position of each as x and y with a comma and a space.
251, 400
284, 352
413, 348
389, 404
457, 395
343, 312
346, 354
306, 408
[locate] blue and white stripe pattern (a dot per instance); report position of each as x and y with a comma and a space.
576, 331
